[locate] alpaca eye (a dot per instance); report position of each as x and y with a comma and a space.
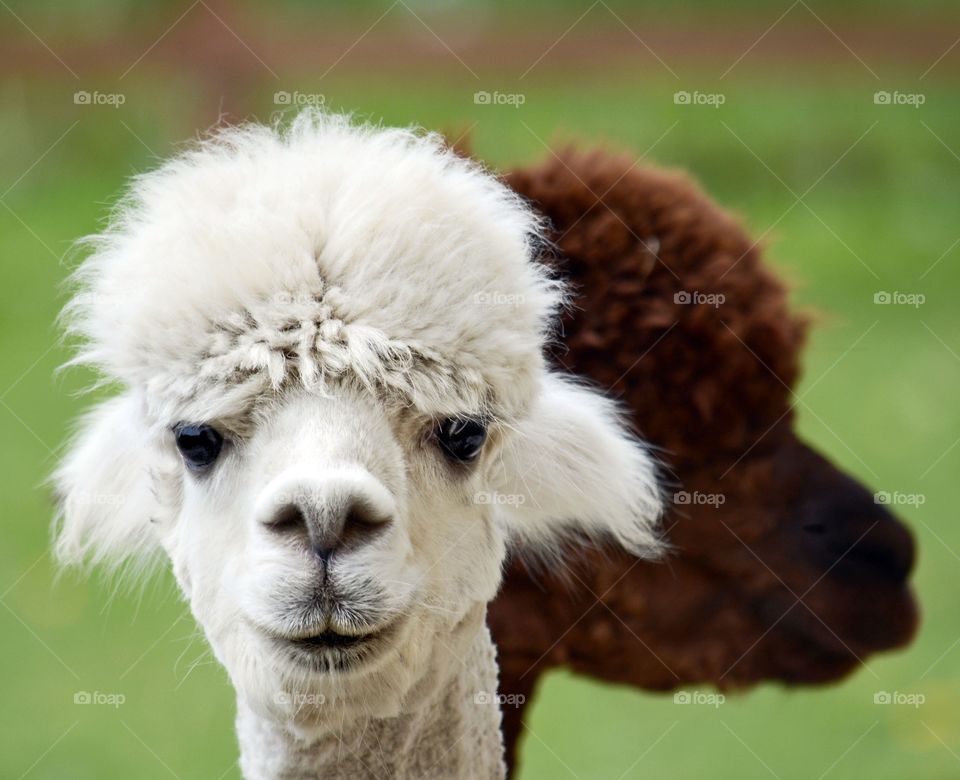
198, 444
461, 438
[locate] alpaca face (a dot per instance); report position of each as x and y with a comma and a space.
787, 568
330, 545
336, 409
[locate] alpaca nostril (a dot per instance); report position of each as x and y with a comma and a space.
288, 518
362, 522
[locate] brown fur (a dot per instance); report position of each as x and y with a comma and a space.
710, 387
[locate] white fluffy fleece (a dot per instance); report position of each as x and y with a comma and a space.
324, 296
336, 248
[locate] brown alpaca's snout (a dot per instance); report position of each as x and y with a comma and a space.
847, 559
844, 529
853, 538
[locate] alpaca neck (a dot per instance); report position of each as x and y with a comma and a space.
446, 730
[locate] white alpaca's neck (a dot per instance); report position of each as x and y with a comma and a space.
450, 730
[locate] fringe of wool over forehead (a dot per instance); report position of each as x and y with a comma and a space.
323, 251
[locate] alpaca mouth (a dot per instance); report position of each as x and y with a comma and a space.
330, 651
888, 624
334, 640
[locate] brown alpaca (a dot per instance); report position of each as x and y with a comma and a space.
708, 383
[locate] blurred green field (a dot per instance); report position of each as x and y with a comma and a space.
883, 217
93, 16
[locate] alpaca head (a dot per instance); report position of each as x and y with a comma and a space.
335, 406
785, 568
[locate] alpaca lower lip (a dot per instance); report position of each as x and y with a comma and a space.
329, 651
332, 639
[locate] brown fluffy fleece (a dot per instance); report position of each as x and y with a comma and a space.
783, 568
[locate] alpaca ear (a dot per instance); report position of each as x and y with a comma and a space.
105, 488
572, 465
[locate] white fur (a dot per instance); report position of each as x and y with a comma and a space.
569, 460
324, 295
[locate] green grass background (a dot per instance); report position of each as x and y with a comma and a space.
885, 217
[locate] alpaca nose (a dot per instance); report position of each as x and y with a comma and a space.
338, 513
351, 524
859, 540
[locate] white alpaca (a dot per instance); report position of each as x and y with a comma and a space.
335, 412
